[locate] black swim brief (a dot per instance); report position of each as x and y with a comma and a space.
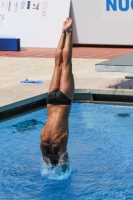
57, 97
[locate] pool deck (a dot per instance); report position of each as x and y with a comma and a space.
38, 63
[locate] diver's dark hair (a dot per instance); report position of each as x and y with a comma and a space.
54, 158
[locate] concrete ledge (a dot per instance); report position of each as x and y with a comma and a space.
23, 102
83, 95
21, 107
104, 95
83, 98
111, 91
113, 68
108, 91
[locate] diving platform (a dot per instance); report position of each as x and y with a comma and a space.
119, 64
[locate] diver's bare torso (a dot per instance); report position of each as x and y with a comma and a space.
54, 136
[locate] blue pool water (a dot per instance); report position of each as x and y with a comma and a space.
100, 150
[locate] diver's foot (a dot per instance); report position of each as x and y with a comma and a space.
67, 25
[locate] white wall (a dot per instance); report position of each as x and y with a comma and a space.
94, 25
32, 26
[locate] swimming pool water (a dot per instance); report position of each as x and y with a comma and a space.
100, 150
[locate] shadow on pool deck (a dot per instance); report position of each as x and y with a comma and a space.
123, 84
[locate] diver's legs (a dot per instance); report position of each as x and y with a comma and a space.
55, 81
67, 80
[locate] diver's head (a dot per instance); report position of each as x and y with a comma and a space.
54, 158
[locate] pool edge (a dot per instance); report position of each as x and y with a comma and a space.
94, 95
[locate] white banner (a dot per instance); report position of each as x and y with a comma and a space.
102, 22
117, 10
38, 23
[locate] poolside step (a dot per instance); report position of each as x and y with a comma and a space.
119, 64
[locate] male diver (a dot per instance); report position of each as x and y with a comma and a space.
54, 136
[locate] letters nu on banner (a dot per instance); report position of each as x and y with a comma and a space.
117, 10
122, 5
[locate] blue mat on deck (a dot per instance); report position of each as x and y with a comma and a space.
31, 81
9, 44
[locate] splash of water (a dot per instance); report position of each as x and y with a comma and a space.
55, 173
